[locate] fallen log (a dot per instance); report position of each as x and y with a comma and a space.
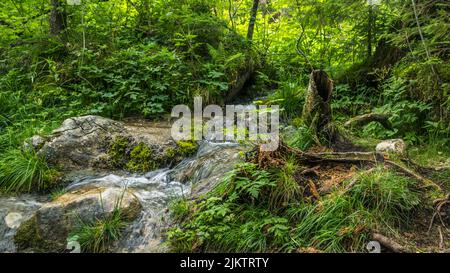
362, 120
240, 82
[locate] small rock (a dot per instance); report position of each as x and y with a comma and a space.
13, 220
396, 146
35, 142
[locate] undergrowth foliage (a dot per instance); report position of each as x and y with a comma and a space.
254, 210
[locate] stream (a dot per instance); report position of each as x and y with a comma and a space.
191, 177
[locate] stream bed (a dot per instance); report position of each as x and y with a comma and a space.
188, 179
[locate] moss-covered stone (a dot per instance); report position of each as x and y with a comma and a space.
171, 153
141, 159
122, 153
187, 148
48, 229
29, 237
118, 151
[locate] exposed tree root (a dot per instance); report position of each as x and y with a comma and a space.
439, 204
425, 170
272, 159
389, 243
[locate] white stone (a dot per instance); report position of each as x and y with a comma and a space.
13, 220
397, 146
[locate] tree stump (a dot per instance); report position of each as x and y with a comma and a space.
317, 114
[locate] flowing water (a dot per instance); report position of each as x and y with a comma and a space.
155, 190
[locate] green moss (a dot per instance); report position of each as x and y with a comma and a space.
171, 153
28, 237
187, 148
141, 159
118, 151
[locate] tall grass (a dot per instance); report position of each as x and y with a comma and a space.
287, 190
24, 171
303, 138
386, 195
290, 98
97, 236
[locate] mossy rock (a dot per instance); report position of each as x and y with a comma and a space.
125, 154
29, 237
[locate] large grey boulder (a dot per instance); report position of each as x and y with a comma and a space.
80, 142
84, 142
49, 227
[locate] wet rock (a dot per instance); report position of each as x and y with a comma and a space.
13, 212
209, 167
80, 142
48, 229
396, 146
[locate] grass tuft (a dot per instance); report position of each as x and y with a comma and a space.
97, 236
25, 171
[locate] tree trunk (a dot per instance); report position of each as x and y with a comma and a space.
251, 25
58, 18
369, 32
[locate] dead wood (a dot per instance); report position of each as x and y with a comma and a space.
270, 159
389, 243
439, 204
362, 120
317, 107
425, 170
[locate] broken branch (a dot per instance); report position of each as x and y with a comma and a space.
367, 118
